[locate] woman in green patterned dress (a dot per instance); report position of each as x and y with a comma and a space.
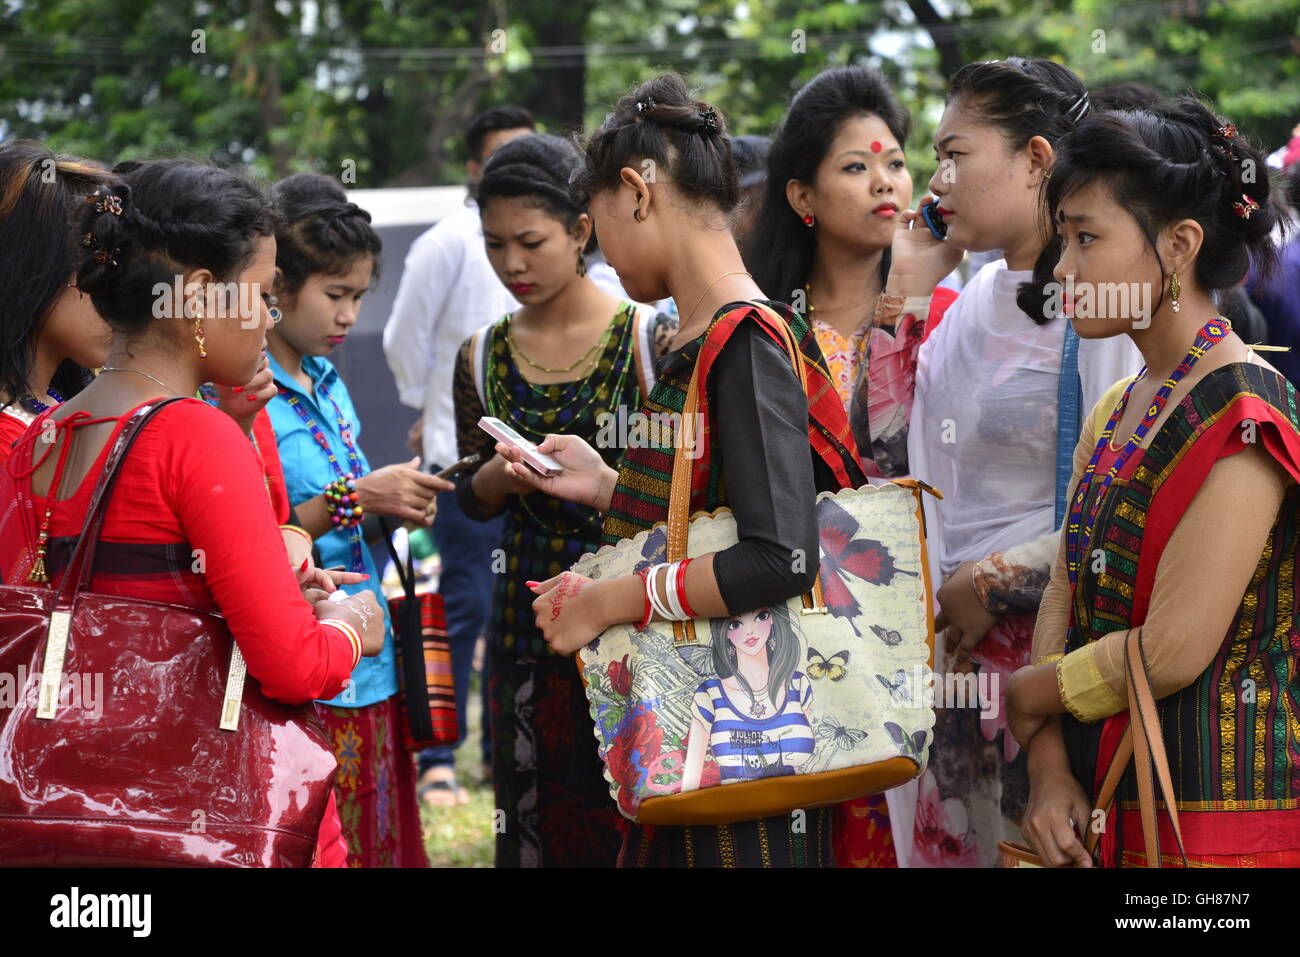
567, 360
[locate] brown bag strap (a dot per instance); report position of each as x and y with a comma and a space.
679, 494
1149, 752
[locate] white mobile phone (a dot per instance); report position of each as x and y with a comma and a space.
539, 462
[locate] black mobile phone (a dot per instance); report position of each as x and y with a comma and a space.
938, 228
459, 466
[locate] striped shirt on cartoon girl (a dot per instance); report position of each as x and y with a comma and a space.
755, 716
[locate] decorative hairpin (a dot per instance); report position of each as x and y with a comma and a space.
1079, 108
709, 117
1245, 209
106, 202
1228, 132
105, 257
646, 105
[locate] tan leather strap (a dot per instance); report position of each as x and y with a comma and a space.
1106, 796
679, 495
1149, 752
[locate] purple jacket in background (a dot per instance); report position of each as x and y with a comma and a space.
1279, 301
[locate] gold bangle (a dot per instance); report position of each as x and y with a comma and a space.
300, 530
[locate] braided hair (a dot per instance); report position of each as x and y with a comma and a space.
541, 168
160, 219
684, 137
1178, 161
320, 231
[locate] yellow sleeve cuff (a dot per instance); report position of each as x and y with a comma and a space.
1047, 659
1082, 689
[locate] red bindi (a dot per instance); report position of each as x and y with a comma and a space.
875, 146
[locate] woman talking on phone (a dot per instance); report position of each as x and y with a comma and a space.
662, 184
569, 359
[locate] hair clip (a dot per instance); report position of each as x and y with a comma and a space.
1228, 132
106, 257
709, 118
88, 240
646, 105
1245, 209
106, 203
1079, 108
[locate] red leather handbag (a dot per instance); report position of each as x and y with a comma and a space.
128, 744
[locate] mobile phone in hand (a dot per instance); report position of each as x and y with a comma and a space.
459, 466
540, 463
938, 228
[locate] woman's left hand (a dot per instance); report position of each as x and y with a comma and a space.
1021, 725
962, 616
243, 402
566, 614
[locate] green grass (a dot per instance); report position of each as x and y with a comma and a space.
461, 836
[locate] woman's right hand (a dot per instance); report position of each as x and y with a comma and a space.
917, 260
402, 491
1058, 812
363, 613
585, 478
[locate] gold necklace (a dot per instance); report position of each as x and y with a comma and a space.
811, 308
734, 272
586, 356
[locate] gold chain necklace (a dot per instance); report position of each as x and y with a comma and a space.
585, 357
811, 308
734, 272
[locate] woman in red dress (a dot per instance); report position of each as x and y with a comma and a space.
191, 521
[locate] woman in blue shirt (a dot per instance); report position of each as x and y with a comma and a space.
327, 255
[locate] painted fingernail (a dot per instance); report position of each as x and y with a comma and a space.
252, 398
303, 566
238, 388
530, 584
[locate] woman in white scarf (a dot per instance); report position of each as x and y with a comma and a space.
991, 410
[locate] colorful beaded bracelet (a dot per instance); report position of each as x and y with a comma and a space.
341, 502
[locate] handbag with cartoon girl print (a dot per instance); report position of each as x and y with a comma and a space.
819, 699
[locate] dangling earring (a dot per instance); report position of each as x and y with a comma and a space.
771, 644
582, 264
809, 220
1175, 289
200, 336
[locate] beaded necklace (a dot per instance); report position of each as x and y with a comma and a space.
500, 405
354, 462
1079, 527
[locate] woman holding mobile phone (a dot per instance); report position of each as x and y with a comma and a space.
1000, 388
571, 358
667, 235
326, 256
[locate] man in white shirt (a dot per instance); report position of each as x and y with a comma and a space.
447, 291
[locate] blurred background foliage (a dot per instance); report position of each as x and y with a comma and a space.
384, 87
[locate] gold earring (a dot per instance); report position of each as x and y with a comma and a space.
200, 336
1175, 288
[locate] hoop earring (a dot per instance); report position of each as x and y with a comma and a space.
1175, 288
809, 220
636, 214
582, 264
200, 336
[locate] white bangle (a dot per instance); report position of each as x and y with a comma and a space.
652, 592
